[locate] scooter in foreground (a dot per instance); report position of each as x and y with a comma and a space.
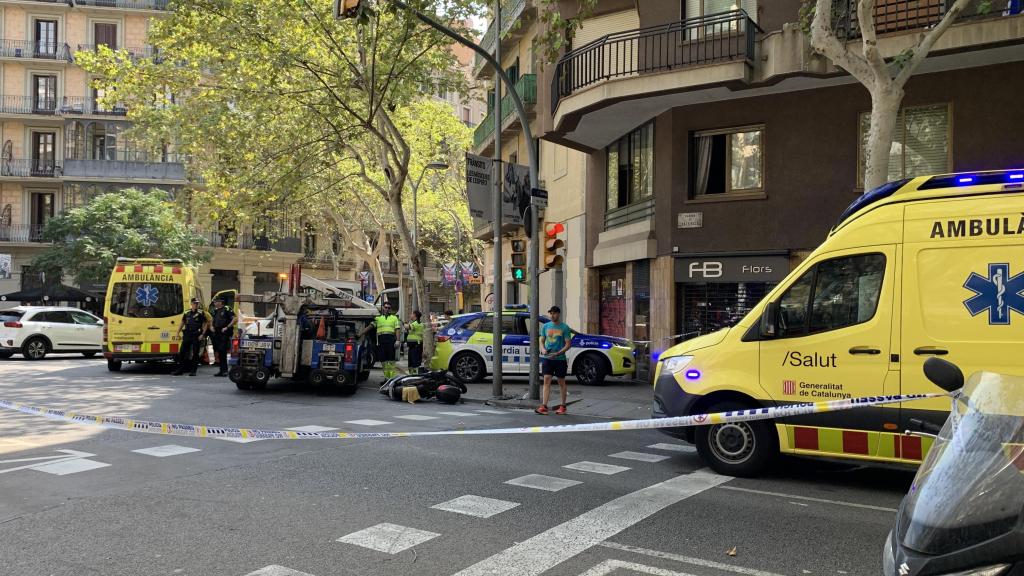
964, 514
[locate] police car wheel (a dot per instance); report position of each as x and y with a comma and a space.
114, 365
591, 370
468, 367
736, 449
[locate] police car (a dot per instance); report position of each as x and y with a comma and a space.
465, 348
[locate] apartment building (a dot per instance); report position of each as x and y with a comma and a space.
720, 149
562, 170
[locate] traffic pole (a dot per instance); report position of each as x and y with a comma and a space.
496, 345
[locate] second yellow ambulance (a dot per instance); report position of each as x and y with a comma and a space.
930, 266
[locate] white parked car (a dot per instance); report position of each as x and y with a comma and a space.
35, 331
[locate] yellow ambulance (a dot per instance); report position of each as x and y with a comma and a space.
929, 266
146, 299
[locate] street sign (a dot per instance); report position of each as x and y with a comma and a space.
540, 197
690, 220
476, 278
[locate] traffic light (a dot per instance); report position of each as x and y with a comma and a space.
552, 244
519, 260
346, 8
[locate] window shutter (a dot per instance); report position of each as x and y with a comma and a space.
926, 140
593, 28
698, 8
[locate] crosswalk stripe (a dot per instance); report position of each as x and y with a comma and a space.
388, 538
596, 467
542, 482
478, 506
673, 447
367, 422
639, 456
275, 570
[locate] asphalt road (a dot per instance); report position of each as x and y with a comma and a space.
78, 500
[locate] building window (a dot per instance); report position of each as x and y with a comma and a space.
700, 8
105, 34
920, 144
45, 38
728, 161
631, 168
44, 93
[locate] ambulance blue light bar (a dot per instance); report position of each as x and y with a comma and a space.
976, 179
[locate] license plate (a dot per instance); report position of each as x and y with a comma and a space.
127, 348
329, 348
257, 344
165, 335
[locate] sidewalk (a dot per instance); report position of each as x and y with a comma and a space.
617, 399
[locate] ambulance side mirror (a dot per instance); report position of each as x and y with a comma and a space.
768, 320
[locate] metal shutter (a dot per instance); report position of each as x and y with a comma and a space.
593, 28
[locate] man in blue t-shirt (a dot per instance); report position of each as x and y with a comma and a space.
555, 340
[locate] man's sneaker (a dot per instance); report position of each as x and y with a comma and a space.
560, 409
542, 409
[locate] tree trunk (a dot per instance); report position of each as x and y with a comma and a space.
885, 108
419, 285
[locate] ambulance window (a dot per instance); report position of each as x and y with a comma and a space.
792, 319
146, 300
846, 291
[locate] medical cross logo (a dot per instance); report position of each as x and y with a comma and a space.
146, 295
998, 293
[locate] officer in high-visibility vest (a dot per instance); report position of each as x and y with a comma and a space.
414, 338
388, 327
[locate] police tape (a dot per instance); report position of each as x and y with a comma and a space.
204, 431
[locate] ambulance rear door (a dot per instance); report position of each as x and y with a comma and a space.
963, 293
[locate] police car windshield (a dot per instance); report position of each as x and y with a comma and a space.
146, 300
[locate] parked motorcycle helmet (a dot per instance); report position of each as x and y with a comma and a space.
448, 394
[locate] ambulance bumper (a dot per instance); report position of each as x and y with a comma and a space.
670, 401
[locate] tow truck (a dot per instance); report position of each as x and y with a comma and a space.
316, 338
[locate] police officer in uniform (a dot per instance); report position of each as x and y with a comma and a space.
193, 324
224, 320
388, 326
414, 338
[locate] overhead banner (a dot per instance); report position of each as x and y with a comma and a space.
515, 185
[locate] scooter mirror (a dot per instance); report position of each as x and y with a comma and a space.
944, 374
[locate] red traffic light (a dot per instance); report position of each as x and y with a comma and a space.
554, 229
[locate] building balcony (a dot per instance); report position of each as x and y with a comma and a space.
18, 105
894, 16
18, 168
483, 136
511, 11
147, 5
85, 106
252, 241
124, 170
32, 50
21, 233
135, 53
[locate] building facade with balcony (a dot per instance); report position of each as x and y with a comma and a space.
562, 169
60, 147
720, 149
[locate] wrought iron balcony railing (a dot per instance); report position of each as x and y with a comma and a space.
46, 105
83, 105
510, 12
904, 15
136, 53
29, 168
127, 4
526, 87
35, 49
723, 37
21, 233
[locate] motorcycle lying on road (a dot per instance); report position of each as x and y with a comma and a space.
964, 514
439, 384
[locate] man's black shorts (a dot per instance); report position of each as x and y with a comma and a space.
386, 347
556, 368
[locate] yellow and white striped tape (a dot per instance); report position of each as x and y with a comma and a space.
205, 431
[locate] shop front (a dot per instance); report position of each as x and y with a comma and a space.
715, 291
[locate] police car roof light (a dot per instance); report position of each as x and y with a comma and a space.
965, 180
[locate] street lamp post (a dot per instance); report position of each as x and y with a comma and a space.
435, 165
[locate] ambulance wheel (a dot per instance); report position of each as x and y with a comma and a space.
591, 369
260, 379
468, 368
114, 365
736, 449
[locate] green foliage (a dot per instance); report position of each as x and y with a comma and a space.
559, 30
131, 223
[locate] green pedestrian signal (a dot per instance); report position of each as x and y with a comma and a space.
519, 260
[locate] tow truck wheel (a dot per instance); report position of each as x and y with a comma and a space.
114, 365
260, 379
235, 374
736, 449
317, 378
243, 385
